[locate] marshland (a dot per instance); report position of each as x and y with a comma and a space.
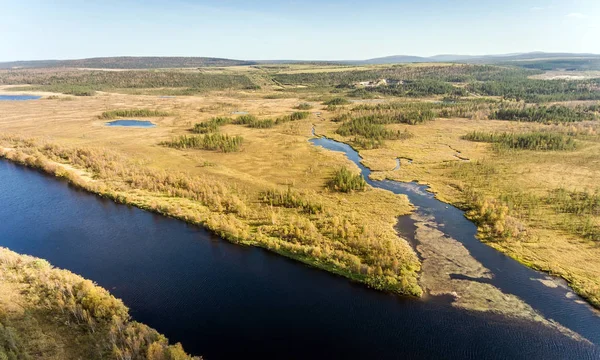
504, 234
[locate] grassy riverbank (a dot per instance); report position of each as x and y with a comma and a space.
49, 313
321, 238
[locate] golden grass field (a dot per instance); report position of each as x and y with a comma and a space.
279, 158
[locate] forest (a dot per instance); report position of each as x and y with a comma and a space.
541, 141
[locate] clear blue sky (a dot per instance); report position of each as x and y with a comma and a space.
293, 29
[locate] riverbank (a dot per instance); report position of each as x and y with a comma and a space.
59, 315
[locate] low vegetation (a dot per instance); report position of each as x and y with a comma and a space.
221, 142
298, 115
303, 106
336, 101
369, 134
291, 199
583, 208
212, 125
541, 141
134, 113
55, 314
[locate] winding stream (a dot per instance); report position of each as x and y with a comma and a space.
225, 301
492, 277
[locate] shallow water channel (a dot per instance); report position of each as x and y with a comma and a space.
226, 301
19, 97
132, 123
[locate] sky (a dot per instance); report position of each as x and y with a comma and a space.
294, 29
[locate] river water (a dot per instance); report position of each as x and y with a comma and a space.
226, 301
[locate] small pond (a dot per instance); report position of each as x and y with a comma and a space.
19, 97
131, 123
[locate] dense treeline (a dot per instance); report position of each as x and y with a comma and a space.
532, 90
70, 81
419, 81
345, 180
527, 141
419, 88
98, 323
544, 114
560, 64
221, 142
249, 120
416, 112
113, 114
128, 62
453, 73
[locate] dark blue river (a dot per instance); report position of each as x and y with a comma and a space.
226, 301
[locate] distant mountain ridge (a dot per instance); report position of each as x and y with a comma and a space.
398, 59
155, 62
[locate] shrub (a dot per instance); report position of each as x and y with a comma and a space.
108, 115
262, 124
298, 115
345, 181
366, 128
304, 106
337, 101
224, 143
291, 199
212, 125
245, 119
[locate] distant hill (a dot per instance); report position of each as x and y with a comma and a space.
483, 59
396, 59
128, 62
550, 61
